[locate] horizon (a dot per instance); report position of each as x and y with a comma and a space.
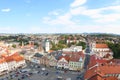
59, 16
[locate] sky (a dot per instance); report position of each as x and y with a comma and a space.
60, 16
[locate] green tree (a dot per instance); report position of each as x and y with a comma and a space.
115, 48
83, 44
14, 46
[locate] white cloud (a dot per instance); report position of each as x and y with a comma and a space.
60, 20
56, 12
77, 3
6, 10
98, 14
102, 16
109, 18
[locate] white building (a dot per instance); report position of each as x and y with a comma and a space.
47, 45
10, 63
3, 66
101, 50
73, 49
63, 62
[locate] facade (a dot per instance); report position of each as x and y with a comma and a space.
73, 48
36, 58
44, 60
11, 62
76, 64
52, 61
63, 62
28, 56
102, 50
3, 66
47, 45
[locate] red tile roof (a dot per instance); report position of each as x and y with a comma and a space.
102, 71
14, 57
101, 46
74, 56
105, 67
65, 57
94, 60
2, 60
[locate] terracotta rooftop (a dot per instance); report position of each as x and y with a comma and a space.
103, 67
102, 71
74, 56
101, 46
94, 60
111, 78
2, 60
65, 57
14, 57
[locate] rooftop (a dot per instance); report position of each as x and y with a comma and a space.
101, 46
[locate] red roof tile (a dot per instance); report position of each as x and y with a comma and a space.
101, 46
65, 57
2, 60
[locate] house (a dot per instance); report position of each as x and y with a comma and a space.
11, 63
63, 62
76, 61
52, 61
103, 72
102, 50
44, 60
3, 66
36, 58
20, 61
102, 69
28, 55
73, 49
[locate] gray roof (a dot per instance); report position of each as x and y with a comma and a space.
38, 55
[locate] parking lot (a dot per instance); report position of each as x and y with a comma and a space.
39, 72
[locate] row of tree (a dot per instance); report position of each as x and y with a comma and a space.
62, 44
115, 48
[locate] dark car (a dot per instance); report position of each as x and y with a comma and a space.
46, 74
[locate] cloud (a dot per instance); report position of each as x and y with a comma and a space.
55, 12
60, 20
100, 18
99, 13
6, 10
77, 3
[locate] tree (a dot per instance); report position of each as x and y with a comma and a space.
83, 44
115, 48
14, 46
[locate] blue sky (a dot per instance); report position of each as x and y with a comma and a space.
59, 16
